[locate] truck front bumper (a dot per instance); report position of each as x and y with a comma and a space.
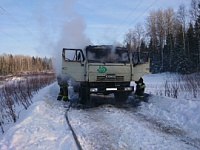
110, 89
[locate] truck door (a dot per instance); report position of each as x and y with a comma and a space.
73, 63
141, 65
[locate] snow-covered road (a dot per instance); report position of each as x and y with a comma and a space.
162, 123
107, 128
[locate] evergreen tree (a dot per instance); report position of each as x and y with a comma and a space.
168, 53
154, 56
192, 47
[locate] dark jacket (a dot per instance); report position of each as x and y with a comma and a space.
140, 88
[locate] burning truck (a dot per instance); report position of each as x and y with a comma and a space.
104, 69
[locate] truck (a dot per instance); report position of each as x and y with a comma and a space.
104, 69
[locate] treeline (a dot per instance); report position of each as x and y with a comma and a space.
172, 39
10, 64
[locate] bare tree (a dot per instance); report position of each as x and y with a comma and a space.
151, 28
181, 16
138, 35
160, 28
170, 22
129, 39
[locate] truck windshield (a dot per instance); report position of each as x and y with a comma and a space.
107, 54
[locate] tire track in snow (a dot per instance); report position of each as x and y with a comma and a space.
108, 127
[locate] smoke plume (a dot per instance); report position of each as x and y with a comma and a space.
61, 27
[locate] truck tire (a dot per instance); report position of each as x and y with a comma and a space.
84, 95
121, 96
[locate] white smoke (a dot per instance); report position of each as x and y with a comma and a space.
64, 29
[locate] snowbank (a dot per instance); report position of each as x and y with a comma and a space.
179, 113
41, 126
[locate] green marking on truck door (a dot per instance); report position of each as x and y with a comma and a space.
102, 69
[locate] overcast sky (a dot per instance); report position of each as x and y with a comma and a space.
44, 27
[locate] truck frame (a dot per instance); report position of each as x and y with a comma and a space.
104, 69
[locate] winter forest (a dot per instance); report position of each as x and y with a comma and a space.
171, 37
16, 64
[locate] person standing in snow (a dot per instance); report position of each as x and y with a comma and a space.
63, 83
139, 93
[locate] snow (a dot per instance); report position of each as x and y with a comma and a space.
118, 129
161, 123
42, 126
182, 114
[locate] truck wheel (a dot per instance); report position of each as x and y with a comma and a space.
121, 96
84, 95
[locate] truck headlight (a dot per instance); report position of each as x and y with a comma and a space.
93, 89
128, 89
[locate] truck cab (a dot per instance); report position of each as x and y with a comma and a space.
104, 69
